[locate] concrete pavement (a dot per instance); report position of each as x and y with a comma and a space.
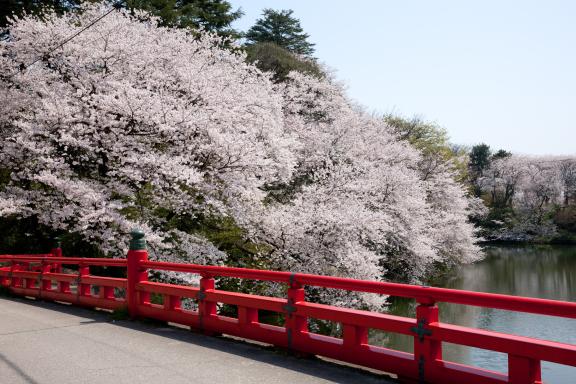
51, 343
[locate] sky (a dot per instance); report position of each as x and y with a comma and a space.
498, 72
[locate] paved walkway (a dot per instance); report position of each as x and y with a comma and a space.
48, 343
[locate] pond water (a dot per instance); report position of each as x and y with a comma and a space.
536, 271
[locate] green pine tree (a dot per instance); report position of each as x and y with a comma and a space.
280, 28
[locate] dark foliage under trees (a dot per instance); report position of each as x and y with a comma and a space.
9, 8
270, 57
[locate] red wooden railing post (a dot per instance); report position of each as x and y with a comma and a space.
295, 325
63, 286
247, 316
45, 284
206, 309
4, 280
28, 281
426, 351
172, 303
107, 293
523, 370
57, 252
83, 289
15, 281
135, 273
354, 336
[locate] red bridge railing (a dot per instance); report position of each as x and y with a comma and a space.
42, 276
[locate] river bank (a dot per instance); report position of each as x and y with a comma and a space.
559, 237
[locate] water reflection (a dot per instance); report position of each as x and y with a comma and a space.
534, 271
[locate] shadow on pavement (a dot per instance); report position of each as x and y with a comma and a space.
17, 370
312, 366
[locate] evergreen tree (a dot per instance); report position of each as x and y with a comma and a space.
479, 162
479, 158
501, 154
280, 28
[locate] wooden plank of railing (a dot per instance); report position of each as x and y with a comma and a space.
374, 320
207, 270
167, 289
105, 262
501, 342
102, 281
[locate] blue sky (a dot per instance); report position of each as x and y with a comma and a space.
499, 72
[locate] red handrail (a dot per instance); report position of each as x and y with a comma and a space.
34, 275
421, 293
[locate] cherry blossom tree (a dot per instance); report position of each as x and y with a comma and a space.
533, 188
501, 179
132, 124
128, 119
359, 203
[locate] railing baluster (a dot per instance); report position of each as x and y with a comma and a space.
295, 325
3, 280
45, 284
171, 303
206, 309
354, 336
29, 282
64, 286
105, 292
522, 370
15, 281
247, 316
108, 292
57, 252
83, 289
426, 351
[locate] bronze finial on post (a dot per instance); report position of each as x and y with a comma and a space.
138, 241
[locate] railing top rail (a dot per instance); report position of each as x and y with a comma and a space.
421, 293
34, 256
211, 270
64, 260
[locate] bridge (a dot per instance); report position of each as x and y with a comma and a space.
79, 345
